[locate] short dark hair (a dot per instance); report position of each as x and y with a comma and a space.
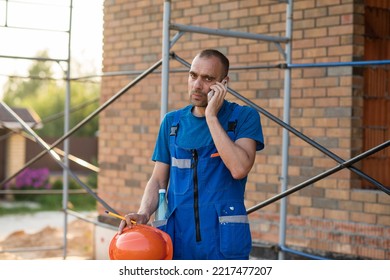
224, 60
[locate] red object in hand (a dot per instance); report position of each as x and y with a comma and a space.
141, 242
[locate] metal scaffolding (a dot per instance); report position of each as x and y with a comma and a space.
287, 66
165, 71
62, 160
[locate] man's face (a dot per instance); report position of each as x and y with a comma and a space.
204, 72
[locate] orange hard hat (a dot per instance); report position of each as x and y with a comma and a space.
141, 242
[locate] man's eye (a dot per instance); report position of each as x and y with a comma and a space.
209, 79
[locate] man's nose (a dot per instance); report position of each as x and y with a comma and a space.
198, 84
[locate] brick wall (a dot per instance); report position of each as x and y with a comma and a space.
332, 215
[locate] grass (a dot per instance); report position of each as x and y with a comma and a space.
17, 210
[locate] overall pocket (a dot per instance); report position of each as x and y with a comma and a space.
182, 174
234, 231
235, 237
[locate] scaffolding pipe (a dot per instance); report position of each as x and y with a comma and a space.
83, 218
228, 33
299, 253
32, 249
232, 68
34, 58
6, 14
54, 155
175, 38
65, 174
320, 176
311, 142
41, 192
177, 70
165, 59
87, 119
285, 135
338, 64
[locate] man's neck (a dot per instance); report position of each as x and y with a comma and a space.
198, 111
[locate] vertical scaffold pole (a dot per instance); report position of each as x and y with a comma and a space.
165, 58
286, 140
65, 174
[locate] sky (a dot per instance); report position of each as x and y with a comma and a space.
20, 36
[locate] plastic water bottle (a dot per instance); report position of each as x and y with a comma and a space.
161, 213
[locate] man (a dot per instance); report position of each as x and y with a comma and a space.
204, 152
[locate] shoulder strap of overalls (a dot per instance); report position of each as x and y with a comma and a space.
232, 124
174, 128
231, 131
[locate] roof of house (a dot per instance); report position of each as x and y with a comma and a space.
27, 115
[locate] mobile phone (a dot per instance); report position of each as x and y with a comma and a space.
211, 92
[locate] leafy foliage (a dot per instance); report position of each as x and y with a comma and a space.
46, 97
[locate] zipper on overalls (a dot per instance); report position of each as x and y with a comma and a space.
196, 195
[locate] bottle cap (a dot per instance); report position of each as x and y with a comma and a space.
161, 191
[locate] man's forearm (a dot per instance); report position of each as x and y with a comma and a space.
237, 158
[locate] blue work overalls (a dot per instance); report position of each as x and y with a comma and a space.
206, 213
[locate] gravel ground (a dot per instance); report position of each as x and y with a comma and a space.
44, 229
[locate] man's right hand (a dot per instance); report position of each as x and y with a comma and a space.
130, 219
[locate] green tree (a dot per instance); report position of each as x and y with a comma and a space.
19, 92
46, 97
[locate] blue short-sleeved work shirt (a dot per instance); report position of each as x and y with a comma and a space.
194, 133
